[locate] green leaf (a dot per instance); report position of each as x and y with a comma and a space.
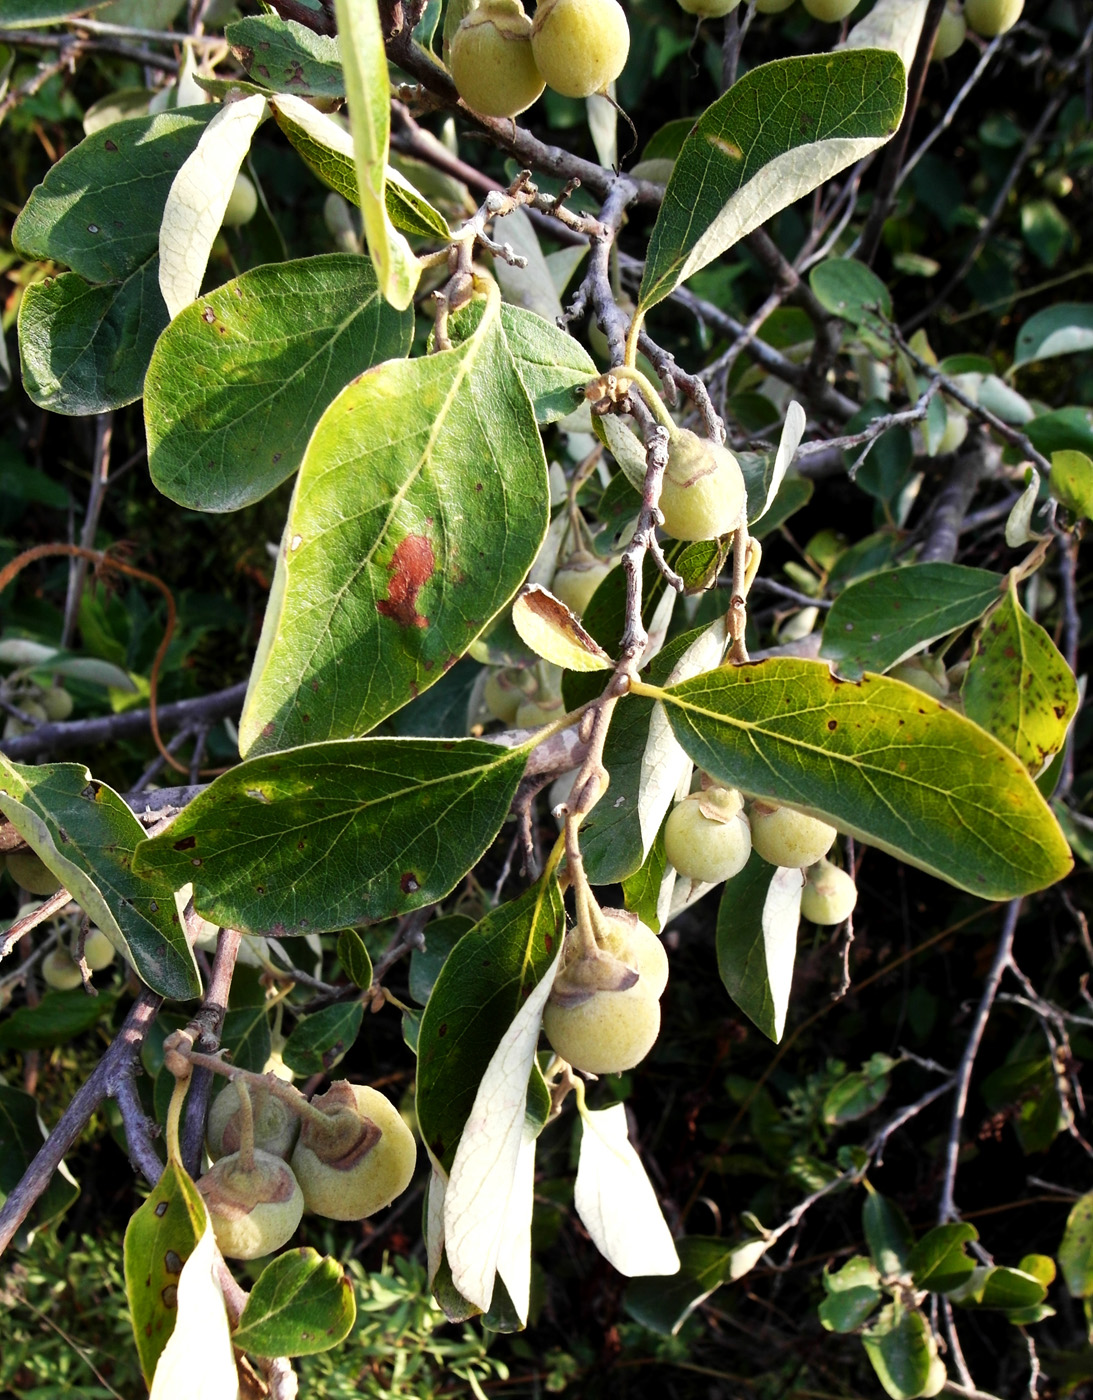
1029, 1093
887, 1234
333, 834
1018, 686
1076, 1249
87, 836
552, 365
757, 923
1061, 431
880, 620
853, 292
1065, 329
85, 348
858, 1094
852, 1293
1000, 1288
779, 132
246, 1035
1072, 482
320, 1042
369, 90
55, 1020
21, 1137
442, 461
302, 1303
99, 208
284, 56
903, 1352
327, 150
641, 891
241, 376
159, 1239
353, 956
483, 984
880, 761
938, 1261
441, 936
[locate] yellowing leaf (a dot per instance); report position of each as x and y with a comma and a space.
616, 1201
486, 1172
1018, 686
198, 197
554, 633
365, 62
198, 1358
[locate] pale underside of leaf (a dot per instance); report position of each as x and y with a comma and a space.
616, 1201
781, 918
514, 1257
793, 430
891, 24
198, 1358
198, 198
485, 1172
782, 181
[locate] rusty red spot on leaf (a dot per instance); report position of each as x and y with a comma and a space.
411, 567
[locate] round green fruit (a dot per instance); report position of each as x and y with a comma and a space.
608, 1032
707, 836
534, 713
31, 873
35, 715
254, 1210
357, 1162
992, 17
829, 894
703, 492
829, 10
60, 972
506, 690
788, 838
951, 32
625, 937
275, 1124
493, 66
57, 703
242, 203
708, 9
98, 951
580, 45
577, 579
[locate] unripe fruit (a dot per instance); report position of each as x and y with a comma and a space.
275, 1124
580, 45
577, 579
254, 1210
829, 10
606, 1034
708, 9
98, 951
533, 713
505, 691
703, 492
57, 703
788, 838
951, 32
991, 17
361, 1160
242, 203
31, 873
829, 894
632, 942
60, 972
35, 714
707, 836
492, 63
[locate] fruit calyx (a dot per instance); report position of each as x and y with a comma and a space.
336, 1131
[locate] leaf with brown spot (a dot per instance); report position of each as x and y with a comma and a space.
1018, 685
556, 634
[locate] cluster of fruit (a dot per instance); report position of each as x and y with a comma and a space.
59, 967
501, 60
709, 837
344, 1155
38, 704
987, 18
